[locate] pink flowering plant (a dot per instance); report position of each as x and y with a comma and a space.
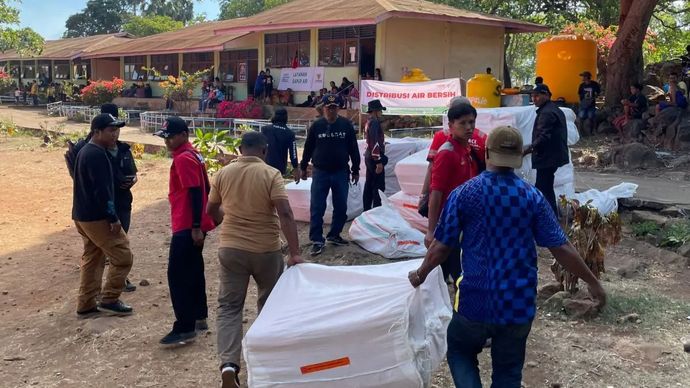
247, 109
100, 92
6, 83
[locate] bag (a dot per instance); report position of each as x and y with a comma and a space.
385, 232
606, 201
424, 205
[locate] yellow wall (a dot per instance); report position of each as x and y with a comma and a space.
442, 50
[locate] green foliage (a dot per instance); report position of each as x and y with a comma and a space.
214, 145
178, 10
230, 9
150, 25
675, 234
7, 127
642, 229
23, 41
651, 306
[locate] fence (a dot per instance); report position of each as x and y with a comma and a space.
152, 121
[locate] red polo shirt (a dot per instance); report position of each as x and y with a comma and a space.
187, 170
452, 166
477, 142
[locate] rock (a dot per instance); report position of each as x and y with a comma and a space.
634, 156
646, 216
672, 211
574, 154
651, 239
532, 364
679, 161
629, 318
684, 250
605, 127
555, 302
144, 283
634, 128
631, 269
548, 290
5, 292
686, 347
580, 308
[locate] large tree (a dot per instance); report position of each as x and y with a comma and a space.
98, 17
625, 62
180, 10
150, 25
24, 41
230, 9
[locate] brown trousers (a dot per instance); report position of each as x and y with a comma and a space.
99, 241
236, 266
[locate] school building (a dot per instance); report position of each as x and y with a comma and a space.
347, 38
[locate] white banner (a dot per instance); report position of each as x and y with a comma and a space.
414, 99
301, 79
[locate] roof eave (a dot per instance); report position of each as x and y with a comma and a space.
288, 26
512, 26
154, 52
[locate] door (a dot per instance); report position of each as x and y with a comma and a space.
252, 71
367, 56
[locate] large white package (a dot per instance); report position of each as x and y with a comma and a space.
350, 326
396, 150
299, 196
607, 201
411, 172
385, 232
408, 207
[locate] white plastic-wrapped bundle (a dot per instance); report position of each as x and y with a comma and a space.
396, 150
411, 172
408, 207
299, 196
350, 326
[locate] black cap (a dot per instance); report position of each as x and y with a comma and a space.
172, 126
110, 108
586, 74
105, 120
332, 99
375, 105
541, 89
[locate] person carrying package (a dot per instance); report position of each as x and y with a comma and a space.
453, 166
375, 158
549, 148
248, 197
477, 142
331, 143
188, 195
500, 217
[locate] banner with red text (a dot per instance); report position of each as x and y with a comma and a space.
414, 99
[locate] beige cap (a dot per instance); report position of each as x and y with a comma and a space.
504, 147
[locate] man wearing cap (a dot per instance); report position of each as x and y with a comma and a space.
189, 188
500, 217
281, 143
331, 143
375, 158
549, 146
94, 214
588, 91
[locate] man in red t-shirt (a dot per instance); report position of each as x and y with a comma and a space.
188, 195
452, 166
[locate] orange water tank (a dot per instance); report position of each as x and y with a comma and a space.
561, 59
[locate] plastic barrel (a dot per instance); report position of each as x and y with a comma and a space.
561, 59
484, 91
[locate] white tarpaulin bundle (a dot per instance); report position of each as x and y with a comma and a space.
408, 207
385, 232
396, 150
606, 201
299, 196
350, 326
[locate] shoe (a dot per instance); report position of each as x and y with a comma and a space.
116, 308
174, 338
88, 313
201, 325
337, 240
230, 376
317, 249
129, 286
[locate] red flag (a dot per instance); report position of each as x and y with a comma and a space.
295, 60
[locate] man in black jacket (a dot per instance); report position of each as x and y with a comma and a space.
549, 146
281, 142
93, 212
331, 144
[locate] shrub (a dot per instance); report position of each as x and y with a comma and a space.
100, 92
7, 84
676, 234
247, 109
641, 229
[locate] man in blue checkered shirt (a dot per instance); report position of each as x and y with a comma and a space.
500, 217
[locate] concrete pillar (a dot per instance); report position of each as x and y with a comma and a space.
216, 63
314, 47
179, 63
380, 59
122, 67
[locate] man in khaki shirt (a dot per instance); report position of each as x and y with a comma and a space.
249, 197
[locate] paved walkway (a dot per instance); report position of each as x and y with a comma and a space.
661, 190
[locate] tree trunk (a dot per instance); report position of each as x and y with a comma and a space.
507, 82
625, 58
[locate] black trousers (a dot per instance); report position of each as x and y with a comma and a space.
453, 265
372, 185
187, 282
545, 179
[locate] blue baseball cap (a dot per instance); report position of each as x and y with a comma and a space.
332, 99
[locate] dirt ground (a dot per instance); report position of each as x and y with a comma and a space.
44, 345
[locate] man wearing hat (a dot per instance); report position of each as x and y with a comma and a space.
189, 188
588, 91
331, 143
375, 158
94, 214
500, 217
549, 146
281, 143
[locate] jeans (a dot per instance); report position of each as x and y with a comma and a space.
544, 183
372, 185
236, 266
187, 282
323, 182
466, 340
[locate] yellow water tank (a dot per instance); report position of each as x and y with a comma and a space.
415, 75
561, 59
484, 91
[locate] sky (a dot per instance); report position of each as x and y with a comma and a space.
47, 17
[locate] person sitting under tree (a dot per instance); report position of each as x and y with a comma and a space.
588, 91
633, 108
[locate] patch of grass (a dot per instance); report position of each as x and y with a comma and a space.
161, 154
675, 234
641, 229
653, 308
